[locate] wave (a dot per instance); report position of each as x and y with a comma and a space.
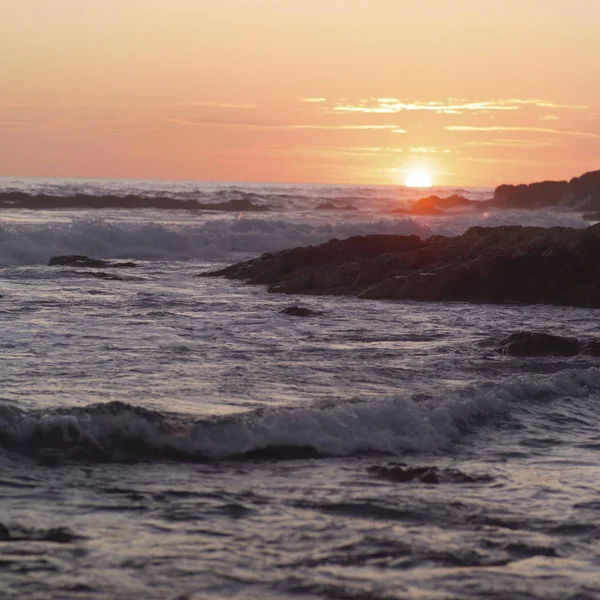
218, 239
119, 432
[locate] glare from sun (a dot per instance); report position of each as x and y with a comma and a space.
419, 179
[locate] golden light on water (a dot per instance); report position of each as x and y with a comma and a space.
418, 179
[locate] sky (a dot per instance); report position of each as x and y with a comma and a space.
475, 92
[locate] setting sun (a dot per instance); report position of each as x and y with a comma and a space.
418, 178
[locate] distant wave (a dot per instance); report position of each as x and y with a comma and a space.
27, 244
120, 432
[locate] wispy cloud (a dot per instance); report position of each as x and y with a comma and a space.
93, 104
66, 105
284, 127
314, 100
452, 106
510, 143
205, 104
428, 150
496, 128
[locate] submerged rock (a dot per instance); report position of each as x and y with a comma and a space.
435, 205
527, 343
557, 265
57, 535
80, 260
400, 473
299, 311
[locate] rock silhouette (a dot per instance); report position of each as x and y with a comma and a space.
533, 265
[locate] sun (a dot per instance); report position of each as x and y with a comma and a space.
419, 179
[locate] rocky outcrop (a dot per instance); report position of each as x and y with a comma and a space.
12, 200
527, 343
436, 205
300, 311
80, 260
557, 265
582, 193
401, 473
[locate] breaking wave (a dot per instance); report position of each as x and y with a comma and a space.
119, 432
216, 239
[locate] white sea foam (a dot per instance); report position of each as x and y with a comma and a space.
226, 238
26, 244
389, 425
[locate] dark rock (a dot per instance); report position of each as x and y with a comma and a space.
525, 343
400, 473
533, 195
582, 193
242, 202
435, 205
57, 535
557, 265
299, 311
590, 347
79, 260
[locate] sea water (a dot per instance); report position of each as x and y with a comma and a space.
164, 435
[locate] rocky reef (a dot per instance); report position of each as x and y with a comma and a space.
530, 343
436, 205
581, 193
533, 265
12, 200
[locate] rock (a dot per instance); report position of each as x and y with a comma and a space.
79, 260
400, 473
242, 202
557, 265
526, 343
590, 347
582, 193
435, 205
299, 311
533, 195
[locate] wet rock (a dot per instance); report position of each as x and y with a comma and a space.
590, 347
57, 535
527, 343
299, 311
436, 205
400, 473
581, 193
130, 201
80, 260
557, 265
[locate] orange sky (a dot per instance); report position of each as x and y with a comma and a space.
478, 92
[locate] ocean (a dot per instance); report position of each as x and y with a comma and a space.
170, 436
